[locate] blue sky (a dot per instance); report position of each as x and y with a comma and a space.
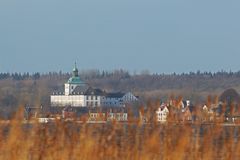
161, 36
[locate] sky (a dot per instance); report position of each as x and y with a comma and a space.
162, 36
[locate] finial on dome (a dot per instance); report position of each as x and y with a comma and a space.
75, 70
75, 64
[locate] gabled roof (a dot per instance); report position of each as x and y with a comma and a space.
115, 95
81, 89
162, 107
86, 90
230, 96
93, 91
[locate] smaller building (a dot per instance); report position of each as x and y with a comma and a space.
118, 99
119, 114
186, 114
185, 104
207, 114
162, 113
108, 114
33, 112
97, 116
187, 110
68, 113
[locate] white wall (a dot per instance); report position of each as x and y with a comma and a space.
93, 100
72, 100
76, 100
162, 114
69, 88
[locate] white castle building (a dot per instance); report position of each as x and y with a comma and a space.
79, 94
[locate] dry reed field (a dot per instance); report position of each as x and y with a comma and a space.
113, 141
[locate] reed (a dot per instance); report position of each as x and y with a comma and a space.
113, 141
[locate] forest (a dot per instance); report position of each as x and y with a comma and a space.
20, 89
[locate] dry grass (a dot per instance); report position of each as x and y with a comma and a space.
73, 141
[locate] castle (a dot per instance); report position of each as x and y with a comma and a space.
79, 94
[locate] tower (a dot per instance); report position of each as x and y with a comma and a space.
73, 81
75, 70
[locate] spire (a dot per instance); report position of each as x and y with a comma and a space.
75, 64
75, 70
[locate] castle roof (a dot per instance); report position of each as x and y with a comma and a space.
75, 79
93, 91
115, 95
80, 89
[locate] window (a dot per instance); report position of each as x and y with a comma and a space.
91, 97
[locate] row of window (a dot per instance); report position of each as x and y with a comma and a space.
92, 103
131, 98
112, 103
96, 115
162, 119
162, 114
92, 97
122, 116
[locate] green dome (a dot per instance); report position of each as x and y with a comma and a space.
75, 80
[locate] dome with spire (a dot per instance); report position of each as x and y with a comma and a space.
75, 79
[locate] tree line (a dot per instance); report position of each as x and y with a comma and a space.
95, 74
35, 88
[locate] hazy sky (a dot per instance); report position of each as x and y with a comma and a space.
158, 35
